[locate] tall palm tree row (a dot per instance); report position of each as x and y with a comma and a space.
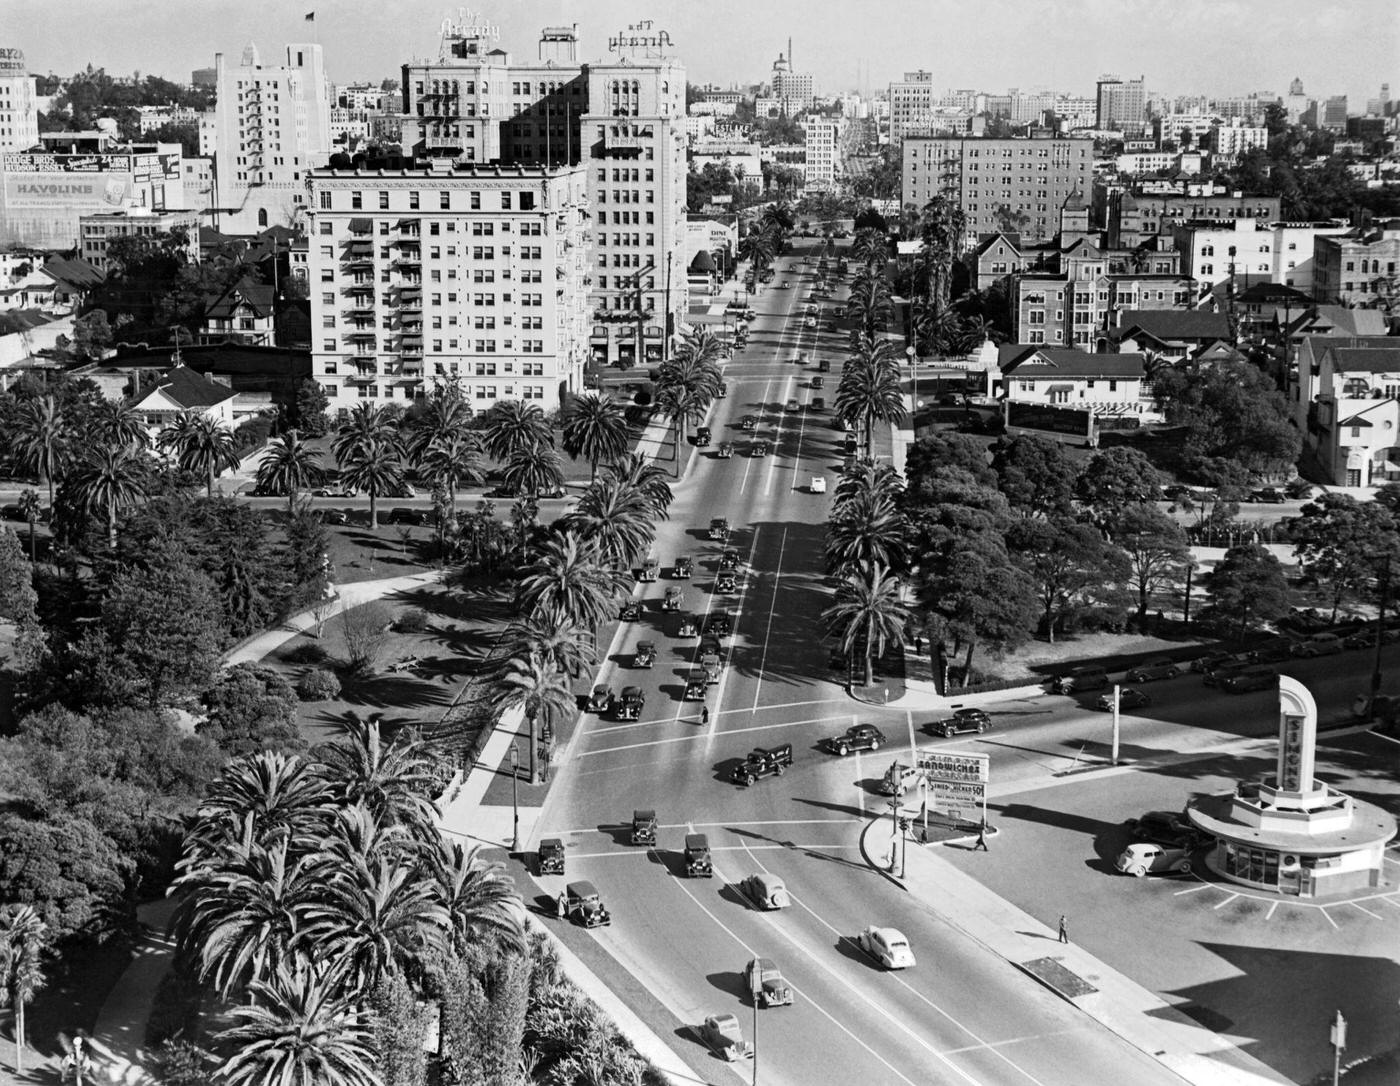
514, 426
534, 470
41, 440
289, 465
443, 447
569, 582
868, 614
595, 427
643, 476
371, 463
541, 689
617, 519
869, 392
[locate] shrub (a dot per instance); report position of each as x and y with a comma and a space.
413, 621
318, 685
366, 633
309, 652
252, 708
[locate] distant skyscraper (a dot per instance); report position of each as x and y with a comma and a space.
273, 124
1122, 105
912, 100
19, 112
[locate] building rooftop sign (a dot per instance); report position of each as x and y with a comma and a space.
469, 24
640, 36
12, 62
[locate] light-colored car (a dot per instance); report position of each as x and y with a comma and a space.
766, 891
766, 984
793, 407
818, 484
721, 1034
888, 946
1143, 858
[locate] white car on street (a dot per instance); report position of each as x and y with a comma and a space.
818, 484
766, 891
888, 946
1143, 857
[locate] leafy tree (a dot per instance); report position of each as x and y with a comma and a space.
1155, 545
484, 1009
944, 506
1248, 586
939, 450
23, 941
67, 870
30, 509
1231, 410
1341, 542
252, 708
400, 1032
1071, 565
312, 407
977, 595
18, 600
1116, 479
1036, 475
92, 336
307, 557
238, 554
867, 614
289, 465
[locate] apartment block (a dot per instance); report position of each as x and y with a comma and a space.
1357, 267
1122, 105
449, 273
1000, 184
19, 103
1260, 252
823, 144
97, 230
912, 105
1140, 218
272, 127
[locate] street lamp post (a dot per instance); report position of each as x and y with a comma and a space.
913, 354
515, 797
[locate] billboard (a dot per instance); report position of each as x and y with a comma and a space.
957, 783
1058, 420
54, 191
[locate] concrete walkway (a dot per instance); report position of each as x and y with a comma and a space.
1140, 1017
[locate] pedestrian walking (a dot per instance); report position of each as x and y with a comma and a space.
1064, 929
705, 715
561, 906
981, 838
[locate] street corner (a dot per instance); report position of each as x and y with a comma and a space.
881, 850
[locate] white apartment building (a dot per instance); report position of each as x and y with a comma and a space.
272, 127
97, 230
149, 118
1235, 138
449, 273
1268, 252
912, 104
19, 103
823, 157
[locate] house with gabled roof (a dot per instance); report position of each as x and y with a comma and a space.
178, 391
244, 313
1111, 385
1353, 421
1168, 333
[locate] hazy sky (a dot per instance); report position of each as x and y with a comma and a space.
1181, 46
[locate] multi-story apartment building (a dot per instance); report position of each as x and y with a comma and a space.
1000, 184
1260, 252
273, 125
1072, 307
624, 118
1357, 267
823, 158
912, 105
1139, 218
19, 103
97, 230
795, 89
449, 273
1235, 138
1122, 105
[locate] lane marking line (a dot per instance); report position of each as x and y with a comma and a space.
694, 737
772, 610
1368, 912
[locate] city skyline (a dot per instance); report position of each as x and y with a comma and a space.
1003, 45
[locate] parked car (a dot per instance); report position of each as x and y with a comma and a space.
585, 905
1211, 660
1080, 679
551, 856
766, 891
964, 720
1159, 668
888, 946
651, 569
631, 611
766, 984
698, 864
702, 436
1164, 828
1142, 858
856, 737
1258, 677
644, 655
1323, 644
763, 762
1129, 697
644, 826
1268, 494
1273, 651
335, 516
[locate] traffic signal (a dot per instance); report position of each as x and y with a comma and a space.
904, 825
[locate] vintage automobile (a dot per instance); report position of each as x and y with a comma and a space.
719, 529
689, 626
710, 665
720, 624
630, 611
763, 762
962, 721
644, 655
630, 704
698, 864
1129, 697
673, 600
857, 737
720, 1033
765, 891
759, 449
725, 450
898, 779
888, 946
766, 984
818, 484
824, 365
749, 422
551, 856
600, 701
651, 569
702, 436
685, 566
818, 403
695, 684
585, 906
792, 407
1144, 857
817, 382
1080, 679
1164, 828
1258, 677
1159, 668
726, 581
723, 390
729, 558
644, 826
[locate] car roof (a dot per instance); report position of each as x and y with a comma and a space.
646, 645
631, 691
582, 888
644, 814
551, 842
763, 964
696, 840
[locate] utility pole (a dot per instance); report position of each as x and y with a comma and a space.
1117, 691
1339, 1044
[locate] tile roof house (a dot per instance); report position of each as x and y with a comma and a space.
1111, 385
1353, 421
244, 313
180, 390
1169, 333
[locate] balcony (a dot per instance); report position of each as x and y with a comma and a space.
359, 245
364, 377
360, 288
361, 335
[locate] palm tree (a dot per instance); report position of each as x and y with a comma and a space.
109, 480
39, 439
869, 248
29, 509
568, 583
638, 472
866, 478
514, 425
565, 643
369, 425
289, 464
395, 781
534, 471
867, 614
595, 427
867, 531
870, 298
202, 444
23, 942
541, 690
617, 519
758, 247
119, 423
259, 796
371, 464
448, 460
479, 895
865, 395
299, 1030
682, 405
700, 346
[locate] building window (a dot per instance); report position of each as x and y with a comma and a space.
445, 201
356, 201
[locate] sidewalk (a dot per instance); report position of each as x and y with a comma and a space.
1142, 1018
